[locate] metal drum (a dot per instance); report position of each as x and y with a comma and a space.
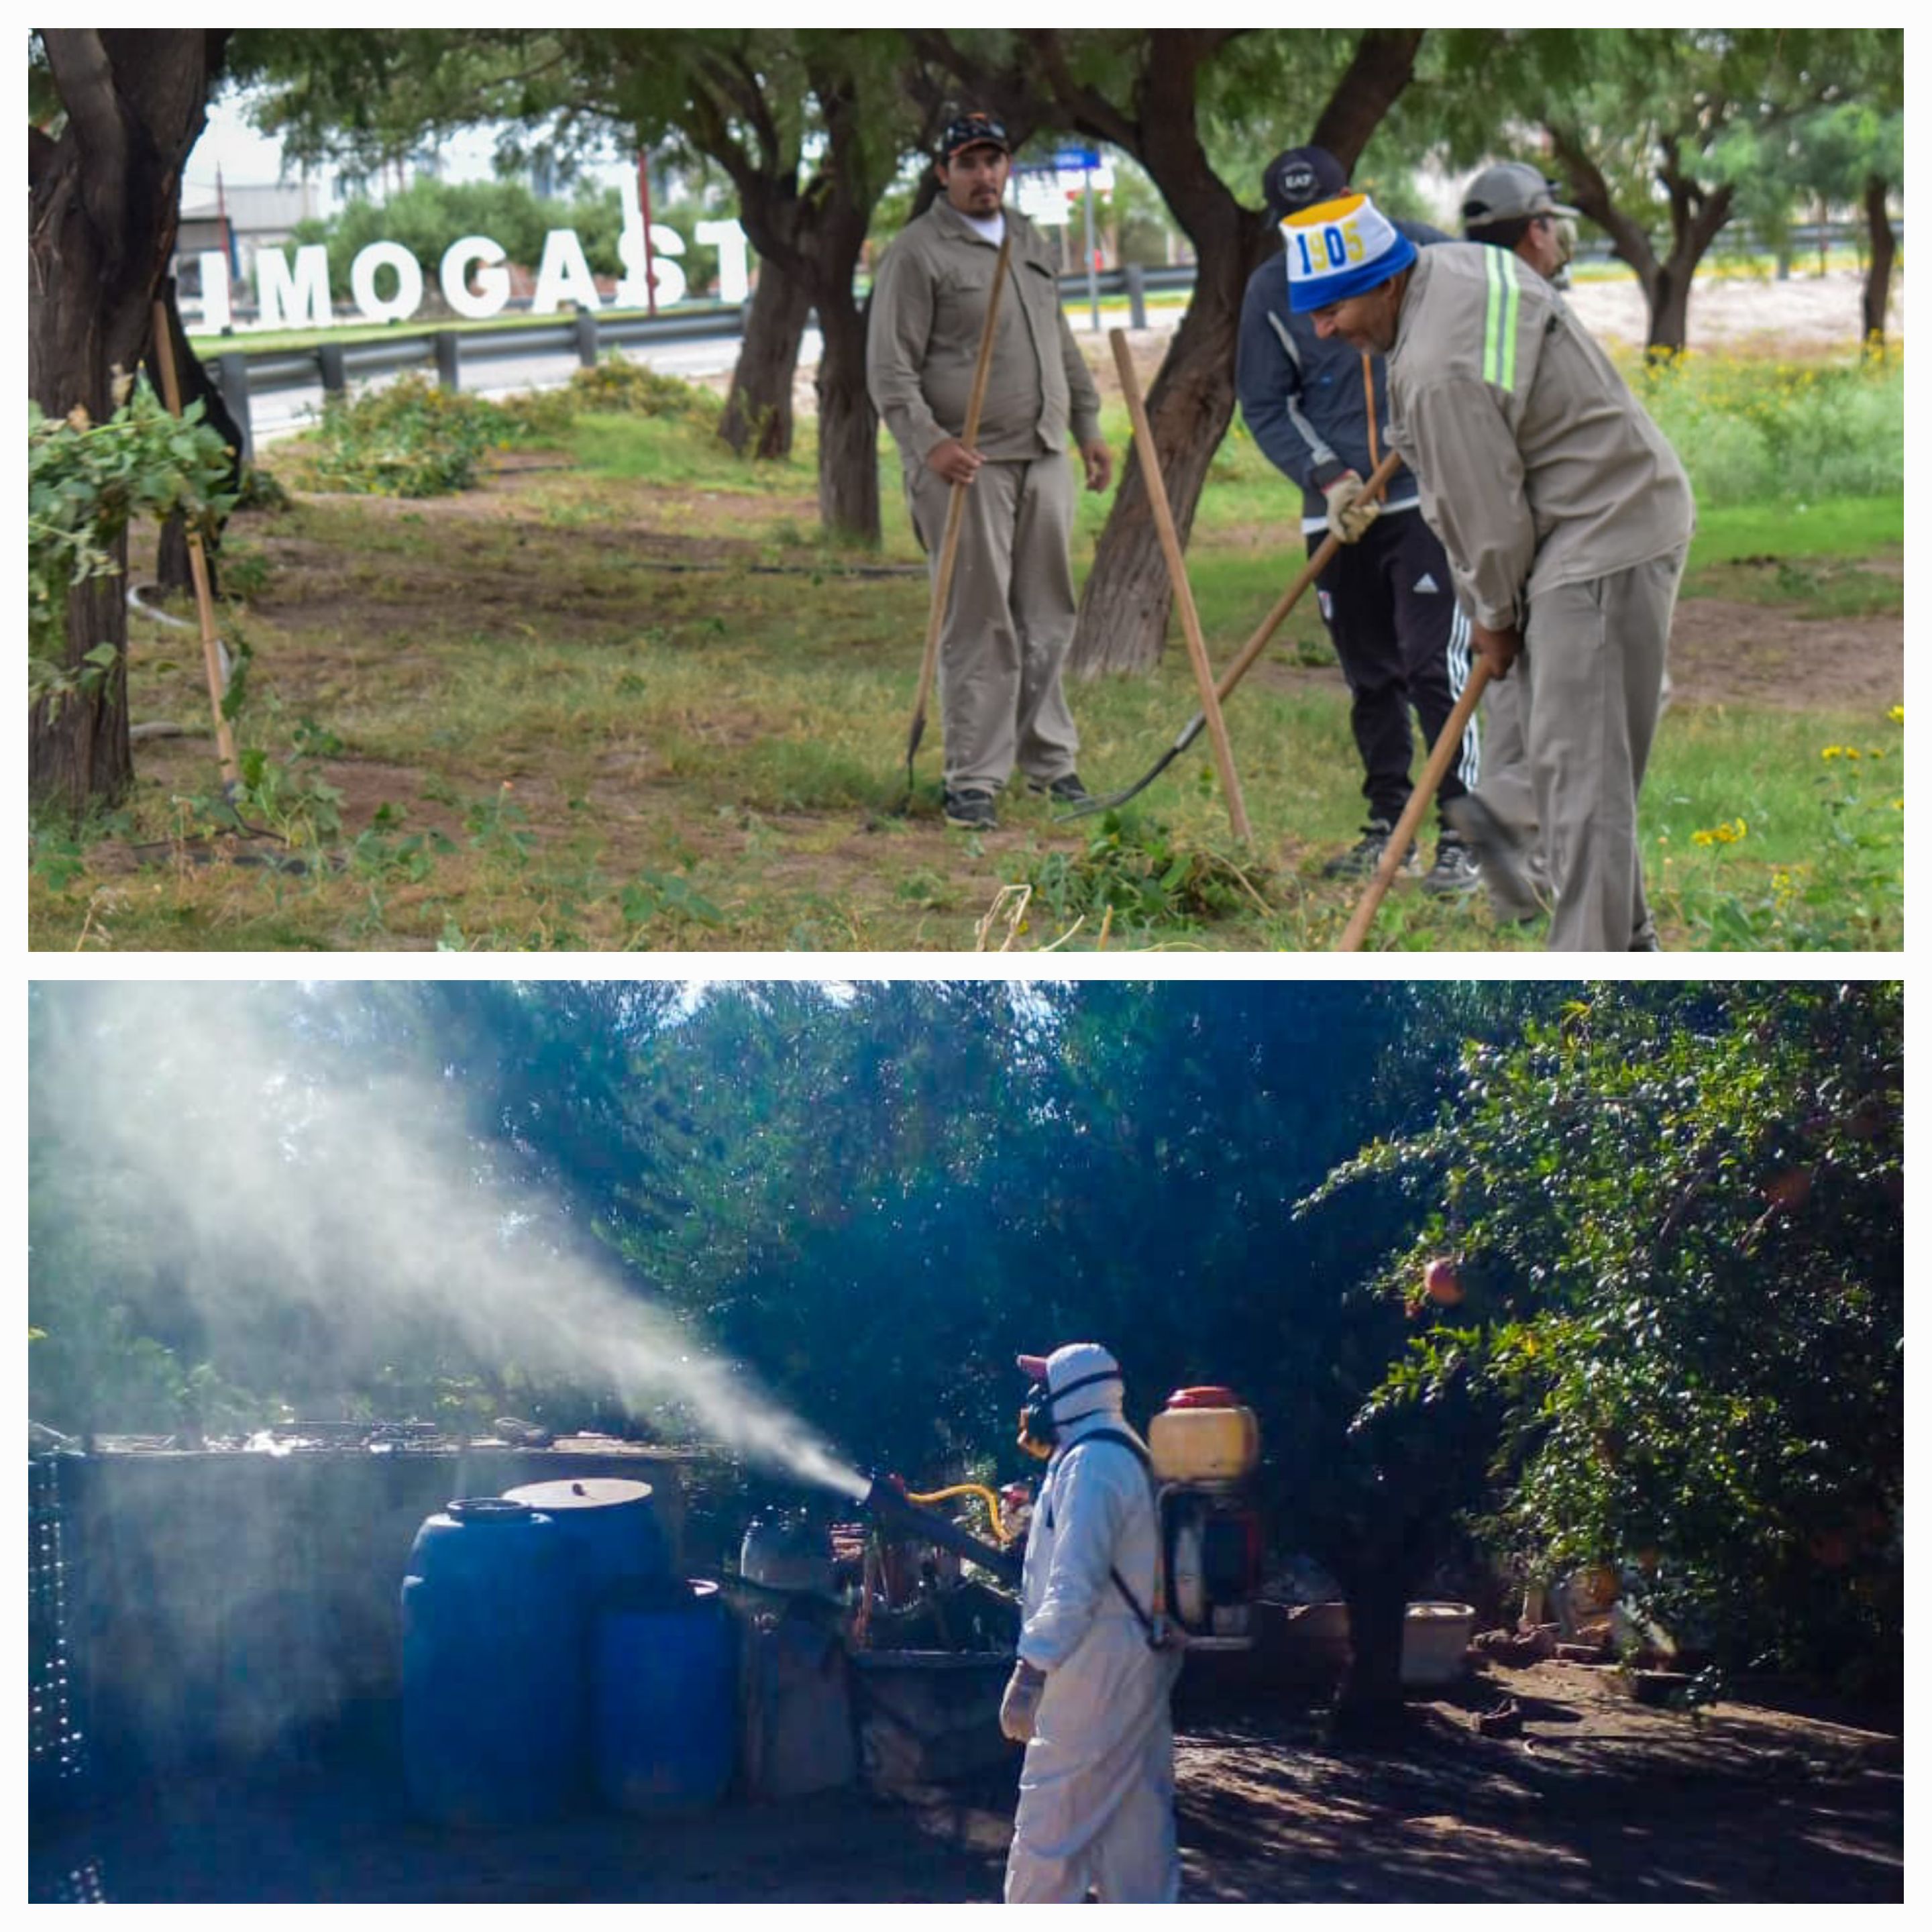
492, 1685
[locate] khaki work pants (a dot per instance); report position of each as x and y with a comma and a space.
1593, 672
1009, 621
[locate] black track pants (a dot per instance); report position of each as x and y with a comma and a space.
1389, 605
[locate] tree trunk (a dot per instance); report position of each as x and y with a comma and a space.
1667, 291
1124, 606
103, 202
1369, 1707
848, 425
79, 753
1878, 269
1697, 217
758, 415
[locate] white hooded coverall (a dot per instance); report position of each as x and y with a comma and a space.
1096, 1788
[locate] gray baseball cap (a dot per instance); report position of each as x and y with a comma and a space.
1509, 191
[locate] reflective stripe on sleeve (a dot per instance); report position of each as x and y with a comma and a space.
1499, 320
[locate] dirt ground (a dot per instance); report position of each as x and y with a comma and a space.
1599, 1799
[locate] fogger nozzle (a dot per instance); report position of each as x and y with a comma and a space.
886, 1499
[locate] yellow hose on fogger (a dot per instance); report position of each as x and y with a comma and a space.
978, 1489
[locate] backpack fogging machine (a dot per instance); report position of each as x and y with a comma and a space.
1205, 1446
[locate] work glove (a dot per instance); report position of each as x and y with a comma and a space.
1020, 1704
1348, 516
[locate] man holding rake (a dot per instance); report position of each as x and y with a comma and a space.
1008, 618
1318, 411
1565, 513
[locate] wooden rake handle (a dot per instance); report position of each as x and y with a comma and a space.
1419, 800
955, 508
197, 564
1324, 553
1183, 595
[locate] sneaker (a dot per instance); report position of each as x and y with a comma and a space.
1362, 858
1454, 873
970, 810
1067, 790
1505, 866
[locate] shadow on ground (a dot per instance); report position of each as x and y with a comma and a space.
1596, 1799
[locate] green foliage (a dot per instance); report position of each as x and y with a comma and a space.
87, 482
1678, 1217
618, 386
410, 438
1750, 430
1135, 868
1852, 890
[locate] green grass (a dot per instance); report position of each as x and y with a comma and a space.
534, 737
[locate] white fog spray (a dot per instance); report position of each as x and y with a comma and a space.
358, 1195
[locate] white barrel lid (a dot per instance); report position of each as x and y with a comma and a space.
580, 1492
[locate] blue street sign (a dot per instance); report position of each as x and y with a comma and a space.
1072, 159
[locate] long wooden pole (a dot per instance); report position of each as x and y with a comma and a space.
1419, 800
197, 564
1183, 595
1379, 479
955, 511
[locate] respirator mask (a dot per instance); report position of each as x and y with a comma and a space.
1039, 1430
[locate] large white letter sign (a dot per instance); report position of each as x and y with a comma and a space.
362, 271
289, 301
493, 281
734, 276
563, 274
666, 275
216, 314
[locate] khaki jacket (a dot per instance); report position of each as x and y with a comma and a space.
928, 306
1538, 465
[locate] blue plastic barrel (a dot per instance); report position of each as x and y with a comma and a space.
611, 1525
492, 1666
665, 1717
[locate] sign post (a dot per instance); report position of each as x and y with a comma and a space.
1084, 160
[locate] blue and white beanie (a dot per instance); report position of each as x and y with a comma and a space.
1340, 248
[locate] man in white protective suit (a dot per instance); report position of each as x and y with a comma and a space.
1089, 1694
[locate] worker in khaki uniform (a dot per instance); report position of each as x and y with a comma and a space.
1512, 205
1565, 513
1010, 619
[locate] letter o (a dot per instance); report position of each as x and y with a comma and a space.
493, 279
408, 297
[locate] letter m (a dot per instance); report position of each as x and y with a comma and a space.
297, 300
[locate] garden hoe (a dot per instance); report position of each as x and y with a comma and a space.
949, 549
1419, 798
1377, 481
204, 594
1183, 594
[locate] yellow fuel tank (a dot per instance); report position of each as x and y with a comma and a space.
1204, 1435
